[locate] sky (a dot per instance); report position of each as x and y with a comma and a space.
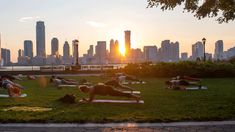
102, 20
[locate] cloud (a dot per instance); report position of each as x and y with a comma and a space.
27, 19
96, 24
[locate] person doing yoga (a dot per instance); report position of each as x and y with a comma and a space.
104, 90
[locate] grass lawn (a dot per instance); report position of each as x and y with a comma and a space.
161, 105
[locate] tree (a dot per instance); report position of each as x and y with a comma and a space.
224, 10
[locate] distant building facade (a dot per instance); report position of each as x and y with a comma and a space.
40, 39
219, 50
6, 56
28, 48
150, 53
75, 52
197, 51
100, 52
55, 47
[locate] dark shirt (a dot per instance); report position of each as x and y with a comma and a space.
102, 89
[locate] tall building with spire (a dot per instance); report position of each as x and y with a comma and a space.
40, 39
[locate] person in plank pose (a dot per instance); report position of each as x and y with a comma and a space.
104, 90
13, 89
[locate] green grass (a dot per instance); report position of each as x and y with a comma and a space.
161, 105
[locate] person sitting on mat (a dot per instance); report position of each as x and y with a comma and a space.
104, 90
115, 83
13, 89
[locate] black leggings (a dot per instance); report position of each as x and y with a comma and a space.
113, 92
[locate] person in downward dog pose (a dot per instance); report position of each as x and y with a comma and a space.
13, 89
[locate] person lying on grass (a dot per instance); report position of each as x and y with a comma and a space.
104, 90
115, 83
13, 89
124, 77
180, 84
58, 82
188, 78
62, 78
31, 77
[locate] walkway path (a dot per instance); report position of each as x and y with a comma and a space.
212, 126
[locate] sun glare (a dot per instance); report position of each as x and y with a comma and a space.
122, 50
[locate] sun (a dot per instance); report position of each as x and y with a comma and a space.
122, 50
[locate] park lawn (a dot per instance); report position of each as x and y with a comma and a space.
161, 105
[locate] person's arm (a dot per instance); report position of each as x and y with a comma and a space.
91, 95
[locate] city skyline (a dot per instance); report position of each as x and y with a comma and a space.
90, 25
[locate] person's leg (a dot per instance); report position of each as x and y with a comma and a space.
69, 83
113, 92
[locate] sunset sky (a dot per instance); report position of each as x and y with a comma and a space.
97, 20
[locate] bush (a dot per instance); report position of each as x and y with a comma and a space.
189, 68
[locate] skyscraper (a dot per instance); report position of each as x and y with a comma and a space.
40, 39
6, 56
55, 46
100, 51
28, 48
112, 49
0, 50
150, 53
66, 49
219, 49
127, 42
174, 52
90, 52
197, 51
184, 56
20, 53
75, 52
165, 50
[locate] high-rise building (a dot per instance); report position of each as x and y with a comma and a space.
197, 51
127, 43
137, 56
112, 49
117, 52
28, 48
75, 52
100, 52
174, 52
90, 52
165, 50
20, 53
184, 56
219, 49
0, 49
150, 53
66, 49
6, 56
66, 53
40, 39
55, 46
